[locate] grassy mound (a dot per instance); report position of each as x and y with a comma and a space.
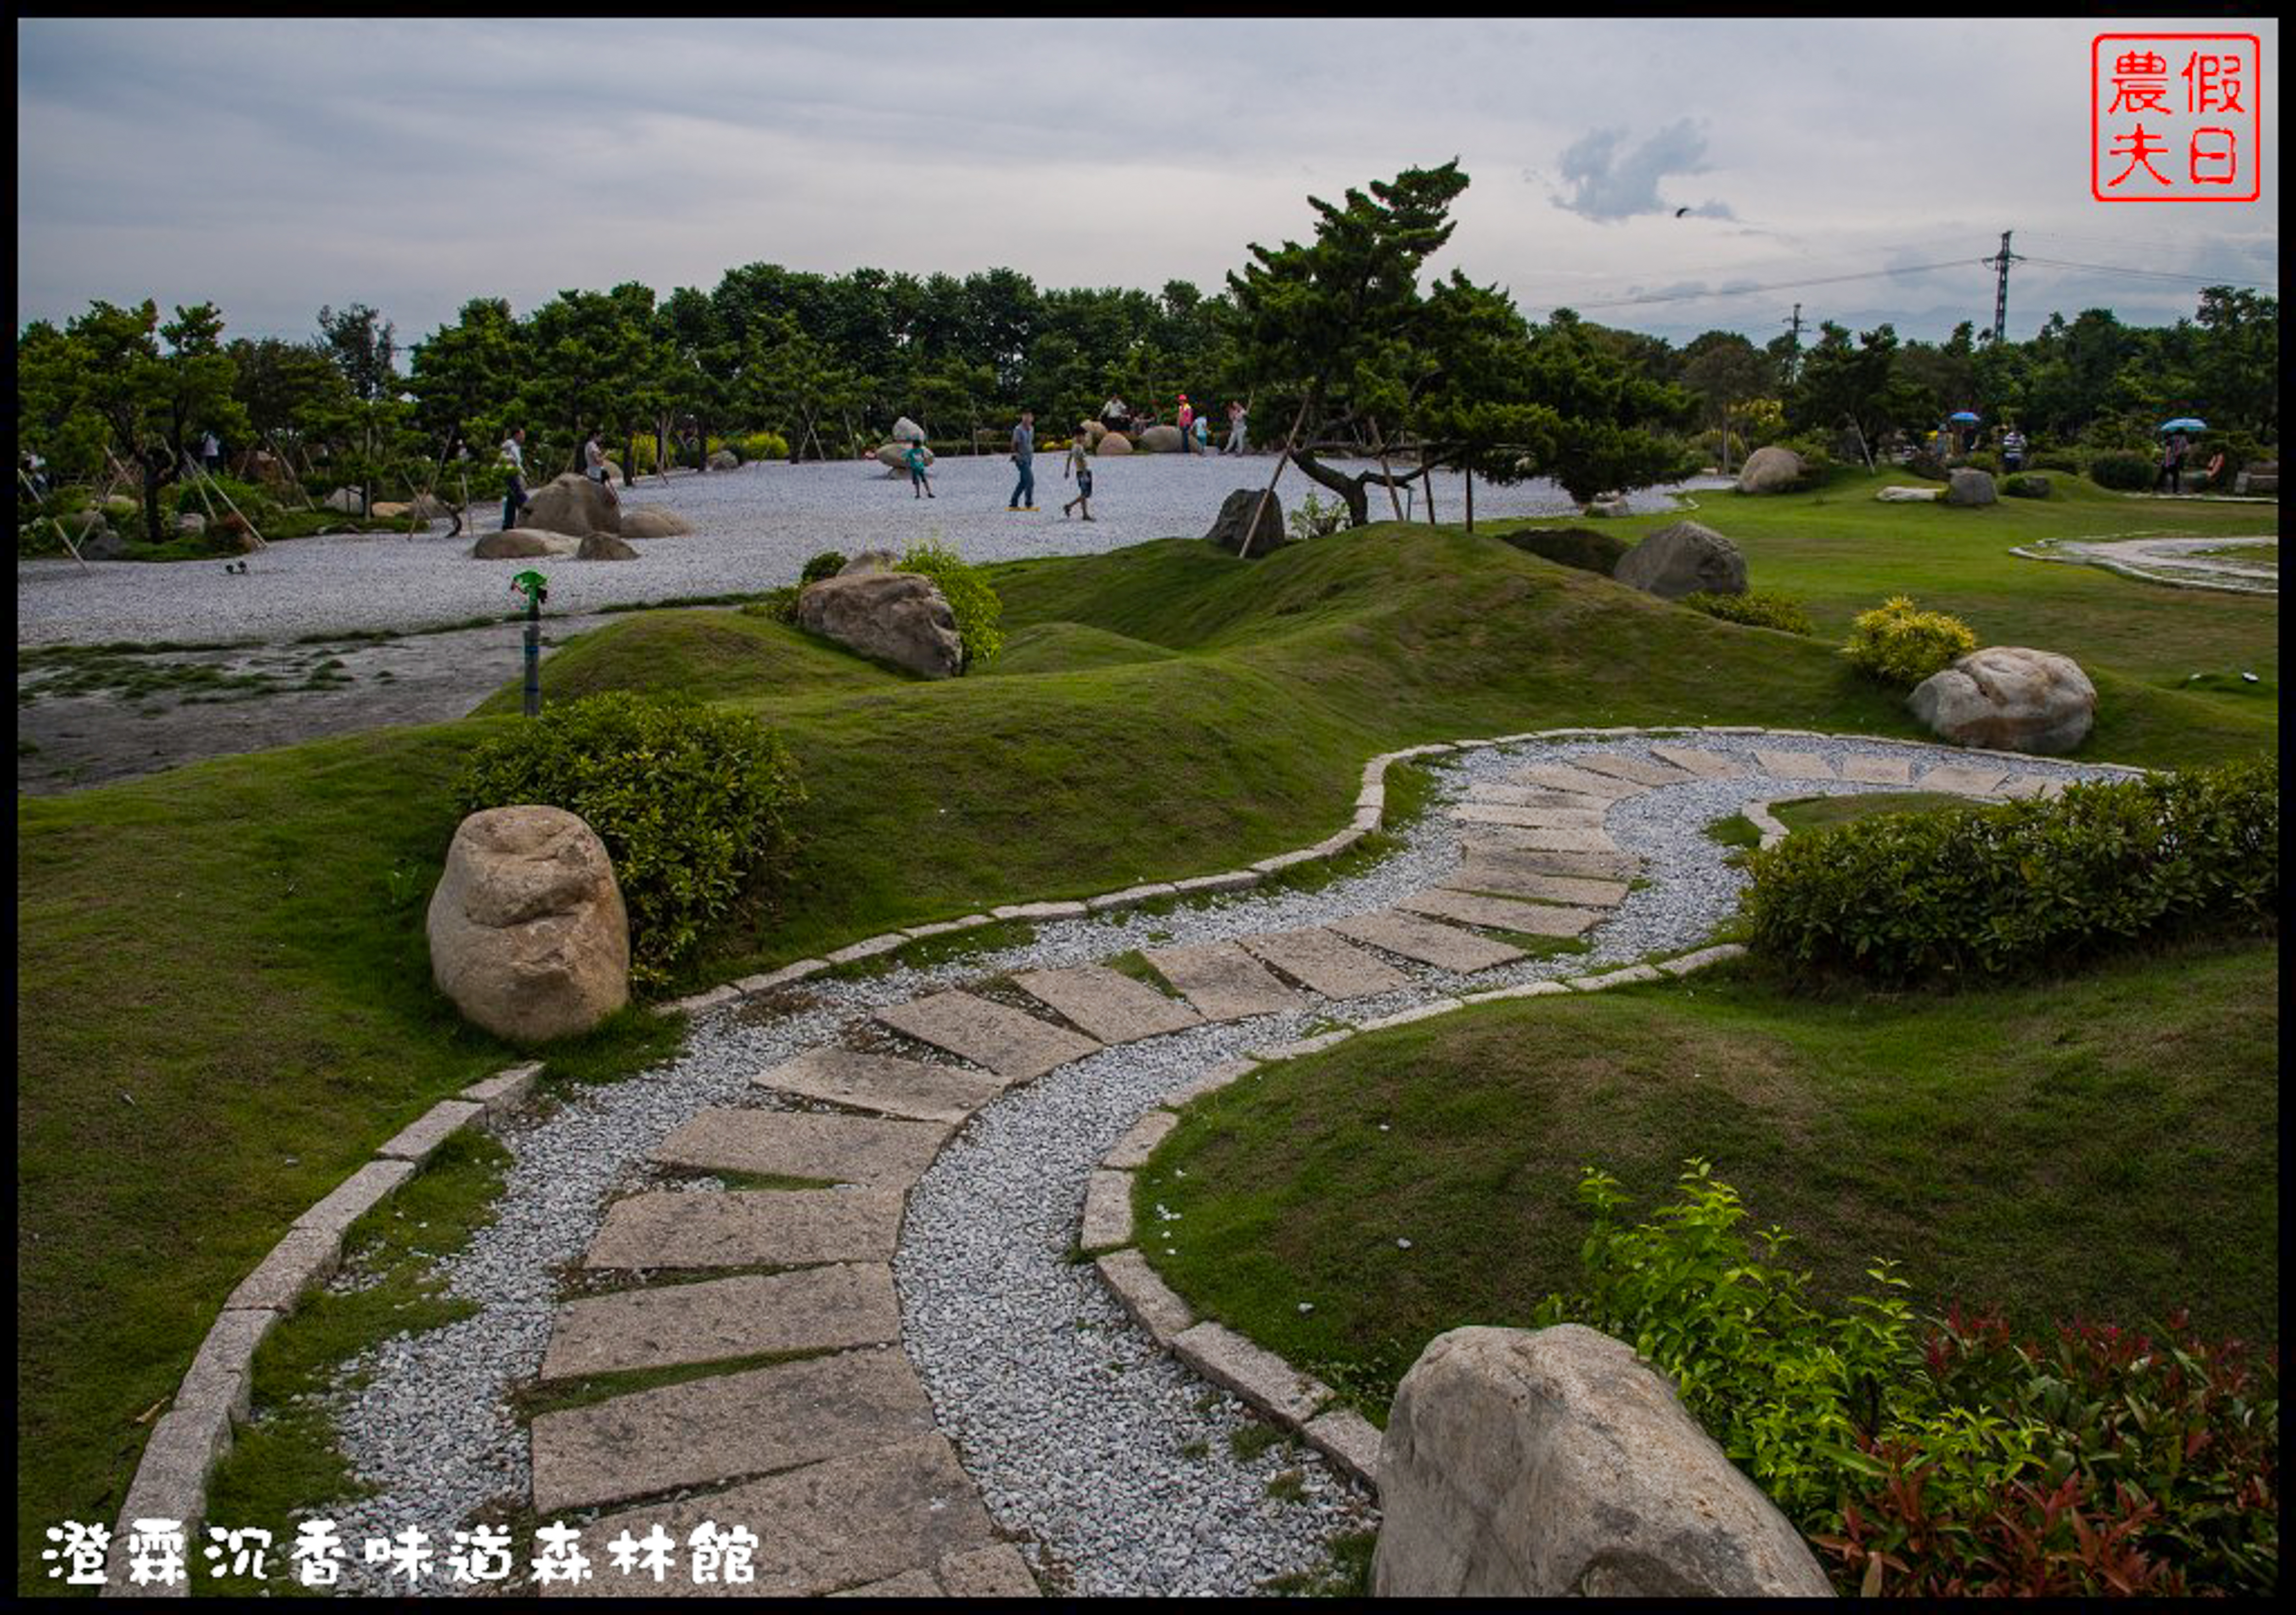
1996, 1142
238, 944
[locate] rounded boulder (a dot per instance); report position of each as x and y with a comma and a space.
653, 521
2007, 697
573, 503
528, 936
1769, 470
1112, 442
1161, 439
1686, 558
1968, 486
899, 617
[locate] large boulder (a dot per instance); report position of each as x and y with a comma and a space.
389, 510
605, 546
1910, 496
2026, 485
1686, 558
895, 456
899, 617
1967, 485
723, 459
527, 932
1610, 506
191, 524
1094, 431
103, 545
523, 544
1235, 513
2259, 479
907, 431
1543, 1463
1112, 442
573, 503
653, 521
1770, 470
343, 499
1159, 440
2008, 698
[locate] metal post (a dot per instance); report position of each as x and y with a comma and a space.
533, 657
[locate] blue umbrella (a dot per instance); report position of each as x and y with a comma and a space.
2184, 423
1963, 415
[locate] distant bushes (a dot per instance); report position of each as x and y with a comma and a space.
1992, 890
1756, 608
1899, 643
1586, 548
692, 802
2123, 470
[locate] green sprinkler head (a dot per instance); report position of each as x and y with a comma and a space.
534, 585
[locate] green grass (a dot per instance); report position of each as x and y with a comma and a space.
2102, 1145
239, 943
1817, 812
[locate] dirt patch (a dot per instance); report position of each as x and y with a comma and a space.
92, 720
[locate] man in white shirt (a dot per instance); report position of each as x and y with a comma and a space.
513, 459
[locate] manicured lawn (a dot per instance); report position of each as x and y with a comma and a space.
2104, 1145
237, 946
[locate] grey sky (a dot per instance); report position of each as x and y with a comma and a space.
274, 165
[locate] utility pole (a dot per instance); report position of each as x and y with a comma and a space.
2001, 263
1793, 330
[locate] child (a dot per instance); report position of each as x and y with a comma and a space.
1079, 461
920, 482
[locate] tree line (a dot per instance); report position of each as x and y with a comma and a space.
1339, 349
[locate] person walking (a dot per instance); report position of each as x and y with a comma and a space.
920, 482
1187, 418
513, 459
1024, 454
2172, 461
2013, 450
210, 453
1079, 461
593, 465
1235, 418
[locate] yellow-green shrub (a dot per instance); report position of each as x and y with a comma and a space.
1899, 643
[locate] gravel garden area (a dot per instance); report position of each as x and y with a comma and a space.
1121, 1472
753, 529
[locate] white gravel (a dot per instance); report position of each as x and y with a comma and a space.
1107, 1457
753, 529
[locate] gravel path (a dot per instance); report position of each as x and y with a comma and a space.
753, 529
1110, 1460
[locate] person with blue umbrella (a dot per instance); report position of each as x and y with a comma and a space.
1964, 433
2179, 445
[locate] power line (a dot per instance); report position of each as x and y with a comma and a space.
2207, 280
1783, 285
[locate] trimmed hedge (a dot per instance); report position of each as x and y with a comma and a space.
2124, 472
1982, 892
1756, 608
690, 801
1586, 548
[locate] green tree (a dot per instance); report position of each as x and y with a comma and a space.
1611, 426
1723, 370
2236, 367
364, 347
149, 400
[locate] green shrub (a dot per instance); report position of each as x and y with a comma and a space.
1945, 1459
2124, 471
1818, 459
1588, 549
778, 604
1756, 608
1989, 891
1899, 644
1927, 465
2026, 485
828, 563
2055, 459
1315, 519
692, 802
968, 593
1985, 460
761, 446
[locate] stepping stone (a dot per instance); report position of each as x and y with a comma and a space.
1327, 964
1507, 879
749, 1228
885, 1084
1795, 765
1707, 765
1508, 812
866, 1517
783, 1143
1222, 981
1536, 919
1014, 1045
1445, 947
1585, 782
1535, 796
1108, 1004
1877, 770
727, 1427
1625, 765
812, 1309
1964, 779
1544, 838
1491, 845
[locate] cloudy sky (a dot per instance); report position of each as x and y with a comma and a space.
272, 166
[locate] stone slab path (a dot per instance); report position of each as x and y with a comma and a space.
834, 1458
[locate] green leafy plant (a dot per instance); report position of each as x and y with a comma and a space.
2054, 459
778, 604
2026, 485
968, 592
1756, 608
693, 803
1987, 891
2124, 471
828, 563
1899, 643
761, 446
1316, 519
